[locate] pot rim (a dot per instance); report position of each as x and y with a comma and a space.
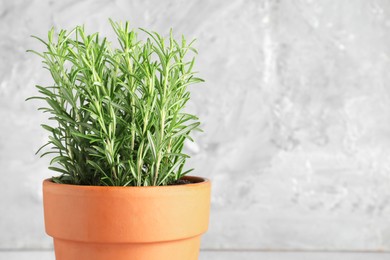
76, 212
199, 181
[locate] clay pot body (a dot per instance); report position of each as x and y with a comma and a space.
122, 223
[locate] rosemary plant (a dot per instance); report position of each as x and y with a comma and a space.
118, 113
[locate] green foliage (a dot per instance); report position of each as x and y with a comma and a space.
118, 112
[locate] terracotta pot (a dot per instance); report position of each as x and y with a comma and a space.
123, 223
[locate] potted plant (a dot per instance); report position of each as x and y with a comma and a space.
117, 137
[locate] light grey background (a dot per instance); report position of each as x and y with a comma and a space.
295, 110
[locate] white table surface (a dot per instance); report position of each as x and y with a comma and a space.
226, 255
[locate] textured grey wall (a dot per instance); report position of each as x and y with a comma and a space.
295, 110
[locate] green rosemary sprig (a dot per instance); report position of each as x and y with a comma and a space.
119, 113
